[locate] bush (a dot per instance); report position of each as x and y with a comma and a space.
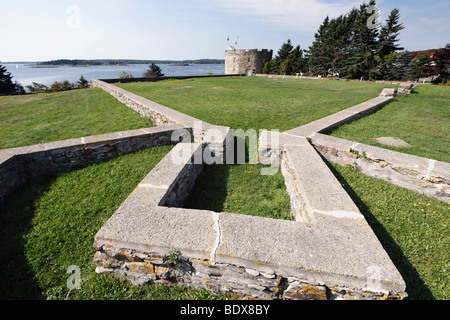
38, 88
83, 83
125, 75
65, 85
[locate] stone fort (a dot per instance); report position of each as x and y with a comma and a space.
248, 62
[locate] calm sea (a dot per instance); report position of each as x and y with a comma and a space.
27, 73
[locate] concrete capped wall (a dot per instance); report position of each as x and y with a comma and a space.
149, 240
422, 175
20, 165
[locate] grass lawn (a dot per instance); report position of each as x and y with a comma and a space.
241, 189
422, 119
50, 225
413, 229
46, 117
256, 103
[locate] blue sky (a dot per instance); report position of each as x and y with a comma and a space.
185, 29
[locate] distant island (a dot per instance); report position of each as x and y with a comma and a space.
124, 62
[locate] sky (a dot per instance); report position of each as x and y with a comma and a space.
190, 29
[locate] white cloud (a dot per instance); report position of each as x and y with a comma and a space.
299, 15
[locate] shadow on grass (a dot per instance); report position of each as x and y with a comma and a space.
17, 280
415, 287
210, 190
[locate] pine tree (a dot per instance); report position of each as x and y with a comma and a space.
363, 63
318, 53
388, 42
341, 37
413, 71
400, 66
280, 62
83, 83
389, 35
297, 61
350, 47
267, 67
154, 72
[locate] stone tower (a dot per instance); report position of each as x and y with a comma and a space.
246, 62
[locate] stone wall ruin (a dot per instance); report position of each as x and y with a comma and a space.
151, 238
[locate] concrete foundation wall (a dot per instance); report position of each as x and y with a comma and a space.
150, 239
20, 165
422, 175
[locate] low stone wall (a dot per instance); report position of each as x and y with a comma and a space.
422, 175
345, 116
20, 165
150, 239
158, 114
171, 181
162, 115
313, 188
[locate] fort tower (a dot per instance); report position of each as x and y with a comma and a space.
248, 62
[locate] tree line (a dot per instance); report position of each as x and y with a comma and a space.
346, 47
122, 62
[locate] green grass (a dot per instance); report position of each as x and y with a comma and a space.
50, 225
241, 189
413, 229
422, 119
256, 103
46, 117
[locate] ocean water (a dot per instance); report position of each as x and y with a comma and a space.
28, 73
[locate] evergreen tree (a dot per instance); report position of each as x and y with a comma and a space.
388, 42
268, 67
389, 35
7, 86
341, 39
413, 71
280, 62
297, 61
154, 72
400, 65
288, 61
319, 54
349, 47
83, 83
363, 63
